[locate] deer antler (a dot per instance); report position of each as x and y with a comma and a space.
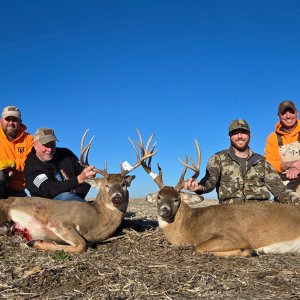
192, 166
145, 153
146, 162
84, 153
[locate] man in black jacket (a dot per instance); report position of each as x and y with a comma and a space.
55, 173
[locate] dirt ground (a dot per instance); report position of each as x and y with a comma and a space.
137, 263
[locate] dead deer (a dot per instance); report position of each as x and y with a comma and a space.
245, 229
69, 225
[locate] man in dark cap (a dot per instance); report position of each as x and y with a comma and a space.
239, 174
282, 148
53, 172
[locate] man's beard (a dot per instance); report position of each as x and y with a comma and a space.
238, 147
11, 132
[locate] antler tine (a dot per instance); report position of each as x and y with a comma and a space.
140, 145
104, 171
144, 162
158, 179
140, 137
149, 142
84, 151
193, 166
180, 183
145, 153
134, 148
146, 159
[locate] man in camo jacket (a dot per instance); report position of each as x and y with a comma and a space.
239, 174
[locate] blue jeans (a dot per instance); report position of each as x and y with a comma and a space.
68, 196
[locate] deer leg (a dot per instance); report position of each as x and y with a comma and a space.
225, 248
75, 242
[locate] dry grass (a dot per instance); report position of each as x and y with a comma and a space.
137, 263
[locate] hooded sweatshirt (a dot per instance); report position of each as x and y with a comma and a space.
272, 147
17, 150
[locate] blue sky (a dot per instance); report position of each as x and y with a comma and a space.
182, 69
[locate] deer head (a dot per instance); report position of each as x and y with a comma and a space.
113, 187
168, 198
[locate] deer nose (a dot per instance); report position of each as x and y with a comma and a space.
117, 198
164, 211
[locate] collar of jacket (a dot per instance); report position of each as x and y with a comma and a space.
252, 159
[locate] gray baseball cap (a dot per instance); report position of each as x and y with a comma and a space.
44, 136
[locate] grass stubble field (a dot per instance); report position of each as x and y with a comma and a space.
138, 263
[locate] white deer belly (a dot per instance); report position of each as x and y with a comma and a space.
283, 247
36, 229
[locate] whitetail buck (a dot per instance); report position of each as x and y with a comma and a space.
69, 225
244, 229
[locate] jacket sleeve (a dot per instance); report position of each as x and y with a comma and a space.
81, 189
42, 184
40, 181
272, 152
276, 186
212, 175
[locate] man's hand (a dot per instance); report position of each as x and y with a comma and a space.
7, 164
292, 173
193, 185
87, 173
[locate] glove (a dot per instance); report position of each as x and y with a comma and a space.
6, 164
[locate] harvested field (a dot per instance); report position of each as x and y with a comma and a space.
137, 263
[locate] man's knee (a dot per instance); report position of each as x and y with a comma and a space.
68, 196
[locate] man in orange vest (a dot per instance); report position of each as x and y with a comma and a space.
15, 144
282, 148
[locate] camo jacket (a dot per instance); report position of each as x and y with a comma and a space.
224, 173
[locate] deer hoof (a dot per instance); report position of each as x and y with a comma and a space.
31, 244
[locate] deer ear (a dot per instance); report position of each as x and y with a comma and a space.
129, 178
152, 198
94, 182
191, 199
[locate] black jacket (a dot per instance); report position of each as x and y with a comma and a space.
41, 178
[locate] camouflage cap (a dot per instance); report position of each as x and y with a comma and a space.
44, 136
284, 105
11, 111
239, 124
